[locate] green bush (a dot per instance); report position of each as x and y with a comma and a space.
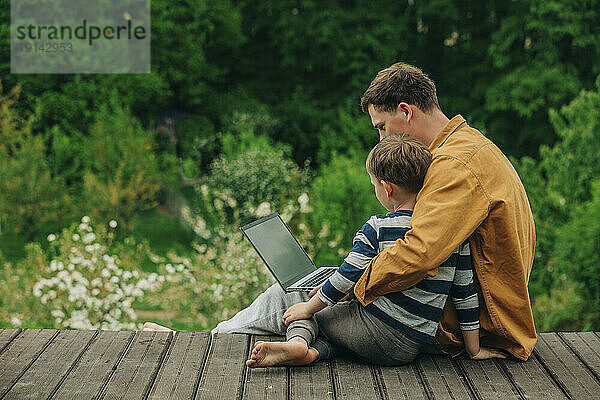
257, 177
31, 196
84, 280
122, 175
564, 194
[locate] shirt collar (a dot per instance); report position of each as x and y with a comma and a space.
448, 130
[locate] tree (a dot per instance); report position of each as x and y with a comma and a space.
32, 196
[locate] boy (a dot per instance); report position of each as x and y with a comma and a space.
391, 330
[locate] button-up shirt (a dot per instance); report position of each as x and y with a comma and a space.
471, 191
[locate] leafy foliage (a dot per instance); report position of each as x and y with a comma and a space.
121, 171
31, 196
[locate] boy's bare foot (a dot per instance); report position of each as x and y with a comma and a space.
151, 326
271, 354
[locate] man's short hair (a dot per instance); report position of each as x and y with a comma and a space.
400, 83
400, 159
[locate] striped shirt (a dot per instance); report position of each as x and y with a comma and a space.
417, 310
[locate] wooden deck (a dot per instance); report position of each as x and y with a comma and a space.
44, 364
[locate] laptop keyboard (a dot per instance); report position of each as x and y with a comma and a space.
318, 278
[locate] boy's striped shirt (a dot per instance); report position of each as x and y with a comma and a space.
415, 311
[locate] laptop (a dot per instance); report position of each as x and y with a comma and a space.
283, 255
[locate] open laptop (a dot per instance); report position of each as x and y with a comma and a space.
283, 255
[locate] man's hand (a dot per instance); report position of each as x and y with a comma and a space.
487, 353
298, 311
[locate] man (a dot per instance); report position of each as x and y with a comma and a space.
471, 191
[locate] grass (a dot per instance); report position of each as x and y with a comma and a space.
162, 232
12, 246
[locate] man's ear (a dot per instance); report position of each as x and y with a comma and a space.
406, 110
388, 187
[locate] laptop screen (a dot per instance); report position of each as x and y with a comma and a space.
278, 248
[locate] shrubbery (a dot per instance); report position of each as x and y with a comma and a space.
564, 195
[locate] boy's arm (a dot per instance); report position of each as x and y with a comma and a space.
304, 310
450, 206
343, 280
465, 299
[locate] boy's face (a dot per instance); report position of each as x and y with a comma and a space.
381, 193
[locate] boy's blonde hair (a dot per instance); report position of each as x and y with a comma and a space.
400, 159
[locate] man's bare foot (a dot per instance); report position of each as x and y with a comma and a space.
151, 326
271, 354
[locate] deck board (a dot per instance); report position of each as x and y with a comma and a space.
565, 367
95, 366
531, 380
586, 345
69, 365
6, 336
266, 383
402, 382
441, 379
136, 371
182, 366
225, 367
45, 374
20, 355
312, 382
354, 379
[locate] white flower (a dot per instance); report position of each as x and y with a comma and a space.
263, 209
88, 238
15, 321
85, 219
303, 200
83, 227
75, 237
51, 237
112, 223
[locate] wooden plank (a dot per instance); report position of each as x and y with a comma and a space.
95, 366
565, 368
225, 367
354, 379
401, 382
6, 336
587, 346
441, 379
487, 380
266, 383
51, 366
312, 382
21, 353
180, 372
530, 379
137, 370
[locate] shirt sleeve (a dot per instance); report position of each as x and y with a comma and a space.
343, 280
463, 292
449, 207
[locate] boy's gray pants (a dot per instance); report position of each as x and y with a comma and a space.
336, 330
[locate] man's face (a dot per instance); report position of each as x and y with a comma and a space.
388, 123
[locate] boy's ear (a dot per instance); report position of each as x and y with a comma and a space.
388, 187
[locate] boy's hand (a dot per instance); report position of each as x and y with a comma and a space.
298, 311
315, 290
486, 353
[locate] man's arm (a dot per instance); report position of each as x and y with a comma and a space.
451, 205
